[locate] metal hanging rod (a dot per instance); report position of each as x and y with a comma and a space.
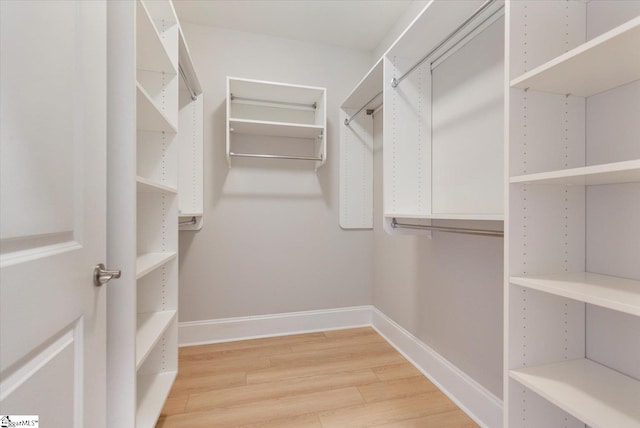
482, 232
396, 81
277, 104
348, 120
193, 221
255, 155
193, 94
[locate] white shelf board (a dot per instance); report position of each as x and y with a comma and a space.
148, 116
275, 129
596, 395
151, 326
150, 51
273, 91
370, 85
147, 262
432, 26
605, 62
619, 294
493, 217
144, 185
611, 173
152, 393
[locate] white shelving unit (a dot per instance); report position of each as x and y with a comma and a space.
157, 211
448, 69
356, 150
190, 140
572, 295
143, 329
276, 120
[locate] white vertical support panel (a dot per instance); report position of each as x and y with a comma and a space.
468, 115
191, 158
407, 140
321, 120
546, 223
356, 171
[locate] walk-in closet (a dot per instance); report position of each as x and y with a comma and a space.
320, 213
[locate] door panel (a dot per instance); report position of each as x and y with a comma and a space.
53, 212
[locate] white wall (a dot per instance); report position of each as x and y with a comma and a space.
446, 291
271, 242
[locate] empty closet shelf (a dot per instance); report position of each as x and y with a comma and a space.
275, 129
149, 116
611, 173
148, 262
151, 395
151, 326
262, 156
145, 185
151, 52
598, 396
606, 62
618, 294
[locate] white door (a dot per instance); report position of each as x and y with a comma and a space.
53, 211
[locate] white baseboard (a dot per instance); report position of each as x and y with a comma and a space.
242, 328
480, 404
484, 407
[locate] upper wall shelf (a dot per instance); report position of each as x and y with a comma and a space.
368, 89
603, 63
257, 108
611, 173
433, 25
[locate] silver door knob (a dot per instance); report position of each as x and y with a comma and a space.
101, 275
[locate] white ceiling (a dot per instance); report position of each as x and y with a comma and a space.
359, 24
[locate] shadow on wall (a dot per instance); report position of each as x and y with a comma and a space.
264, 178
457, 284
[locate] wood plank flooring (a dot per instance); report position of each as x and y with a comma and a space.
347, 378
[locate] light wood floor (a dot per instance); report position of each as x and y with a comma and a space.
347, 378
